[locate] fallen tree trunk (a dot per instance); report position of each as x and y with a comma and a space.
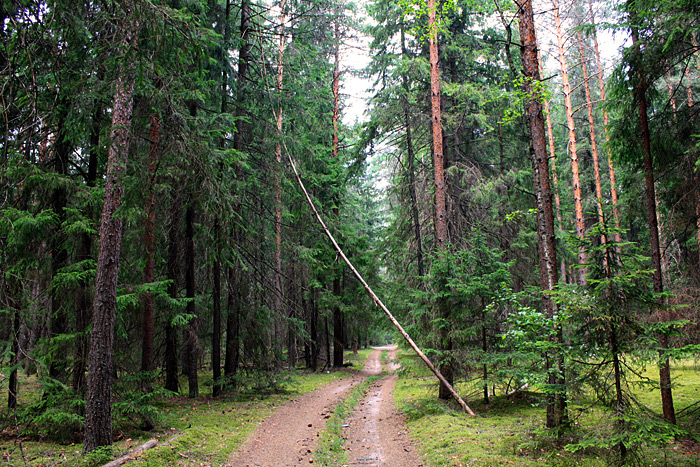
132, 454
376, 299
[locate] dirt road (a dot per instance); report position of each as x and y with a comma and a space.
375, 433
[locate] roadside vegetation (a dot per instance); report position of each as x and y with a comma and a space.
509, 429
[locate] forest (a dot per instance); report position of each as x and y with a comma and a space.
518, 185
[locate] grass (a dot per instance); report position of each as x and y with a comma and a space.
510, 431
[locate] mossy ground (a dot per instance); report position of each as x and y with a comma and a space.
510, 431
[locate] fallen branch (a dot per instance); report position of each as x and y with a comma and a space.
132, 454
376, 299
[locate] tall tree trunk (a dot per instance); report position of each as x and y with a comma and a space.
98, 401
594, 144
601, 85
233, 341
338, 342
192, 342
556, 401
445, 367
59, 317
216, 322
147, 344
82, 317
410, 154
12, 386
216, 266
573, 154
171, 375
555, 177
277, 277
234, 270
639, 92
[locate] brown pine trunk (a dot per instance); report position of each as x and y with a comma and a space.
555, 177
556, 402
445, 367
594, 145
639, 92
573, 154
171, 375
192, 339
98, 400
147, 346
601, 85
338, 342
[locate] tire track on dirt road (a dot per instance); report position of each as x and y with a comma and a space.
376, 433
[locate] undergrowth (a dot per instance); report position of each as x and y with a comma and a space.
509, 430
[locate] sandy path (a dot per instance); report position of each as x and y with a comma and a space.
376, 433
289, 436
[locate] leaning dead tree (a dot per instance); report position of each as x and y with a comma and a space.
376, 299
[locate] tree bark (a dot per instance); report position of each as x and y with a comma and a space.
573, 154
192, 339
555, 179
216, 266
12, 386
234, 297
147, 344
98, 408
556, 400
171, 375
277, 277
594, 144
639, 93
216, 322
445, 366
338, 342
601, 85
